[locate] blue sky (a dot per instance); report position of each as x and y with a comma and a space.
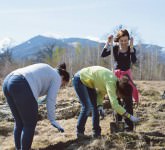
22, 19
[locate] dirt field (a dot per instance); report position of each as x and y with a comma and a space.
148, 134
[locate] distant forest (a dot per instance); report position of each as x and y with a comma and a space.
147, 67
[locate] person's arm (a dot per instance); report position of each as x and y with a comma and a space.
111, 91
106, 50
100, 97
132, 51
133, 55
51, 102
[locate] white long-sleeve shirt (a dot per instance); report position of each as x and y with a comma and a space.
43, 80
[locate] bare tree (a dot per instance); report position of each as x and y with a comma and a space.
7, 64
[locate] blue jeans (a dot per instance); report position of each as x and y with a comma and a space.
24, 109
88, 100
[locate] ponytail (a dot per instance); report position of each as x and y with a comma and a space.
62, 66
62, 71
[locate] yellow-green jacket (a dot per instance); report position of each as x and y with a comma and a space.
104, 81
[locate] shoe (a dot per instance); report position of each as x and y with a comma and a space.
94, 135
128, 129
81, 136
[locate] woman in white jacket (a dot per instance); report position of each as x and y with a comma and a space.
22, 88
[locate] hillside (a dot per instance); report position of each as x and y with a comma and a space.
30, 49
148, 134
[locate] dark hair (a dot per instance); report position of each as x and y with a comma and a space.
62, 71
120, 34
62, 66
124, 89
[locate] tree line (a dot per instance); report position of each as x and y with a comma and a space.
148, 66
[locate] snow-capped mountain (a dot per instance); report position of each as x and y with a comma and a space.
83, 42
34, 45
37, 44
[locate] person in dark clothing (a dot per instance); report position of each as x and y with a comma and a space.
124, 55
127, 104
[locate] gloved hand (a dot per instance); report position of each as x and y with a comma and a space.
134, 119
56, 125
101, 111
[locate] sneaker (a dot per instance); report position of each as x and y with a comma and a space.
81, 136
128, 129
94, 135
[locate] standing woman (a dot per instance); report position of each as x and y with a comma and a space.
124, 56
22, 88
91, 84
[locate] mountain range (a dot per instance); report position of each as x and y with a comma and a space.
30, 48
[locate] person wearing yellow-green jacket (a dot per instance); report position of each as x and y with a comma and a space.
91, 84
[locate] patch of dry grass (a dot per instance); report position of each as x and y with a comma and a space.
149, 132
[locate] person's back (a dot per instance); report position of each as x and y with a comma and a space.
39, 77
22, 88
97, 77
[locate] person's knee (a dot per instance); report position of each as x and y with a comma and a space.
29, 129
87, 110
90, 108
30, 124
19, 125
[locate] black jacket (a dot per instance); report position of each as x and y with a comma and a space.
123, 60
